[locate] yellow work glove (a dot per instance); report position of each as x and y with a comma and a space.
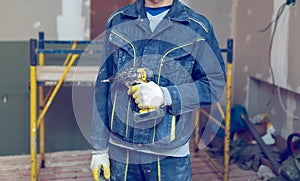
147, 95
100, 161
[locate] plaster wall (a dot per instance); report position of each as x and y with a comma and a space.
219, 12
254, 85
59, 19
70, 19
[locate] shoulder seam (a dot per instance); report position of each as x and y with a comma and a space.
115, 14
199, 23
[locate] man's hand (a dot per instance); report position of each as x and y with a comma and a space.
100, 161
147, 95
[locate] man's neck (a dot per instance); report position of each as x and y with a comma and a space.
158, 3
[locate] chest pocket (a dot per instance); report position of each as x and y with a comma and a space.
124, 51
178, 64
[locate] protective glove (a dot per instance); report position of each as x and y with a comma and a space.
147, 95
100, 162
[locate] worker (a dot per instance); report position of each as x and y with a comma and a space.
141, 128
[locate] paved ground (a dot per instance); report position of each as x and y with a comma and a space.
74, 165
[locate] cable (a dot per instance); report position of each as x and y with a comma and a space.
278, 15
282, 105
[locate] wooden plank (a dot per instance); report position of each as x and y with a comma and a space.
74, 165
52, 74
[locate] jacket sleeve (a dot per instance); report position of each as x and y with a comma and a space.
208, 78
100, 118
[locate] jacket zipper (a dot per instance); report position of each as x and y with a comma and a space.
127, 118
134, 62
113, 111
131, 44
172, 134
168, 52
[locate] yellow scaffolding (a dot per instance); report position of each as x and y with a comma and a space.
39, 72
224, 116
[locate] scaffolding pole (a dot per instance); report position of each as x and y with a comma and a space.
225, 116
33, 110
41, 62
228, 108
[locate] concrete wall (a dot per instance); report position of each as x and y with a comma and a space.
60, 19
254, 86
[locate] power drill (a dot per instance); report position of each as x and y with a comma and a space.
131, 77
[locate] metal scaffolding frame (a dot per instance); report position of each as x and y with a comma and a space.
37, 83
225, 115
42, 103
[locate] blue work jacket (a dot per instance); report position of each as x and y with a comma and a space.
185, 58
